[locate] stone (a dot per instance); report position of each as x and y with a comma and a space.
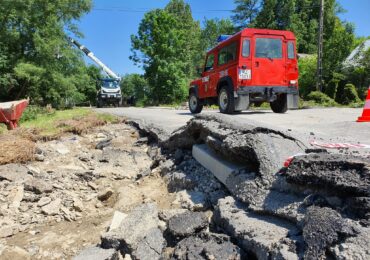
261, 235
101, 136
127, 257
134, 228
39, 157
67, 214
167, 214
187, 223
15, 197
178, 156
97, 253
105, 195
52, 208
6, 231
323, 227
34, 171
37, 186
179, 181
192, 200
356, 247
151, 246
14, 173
92, 185
117, 219
61, 149
208, 246
104, 143
166, 167
78, 205
43, 201
15, 252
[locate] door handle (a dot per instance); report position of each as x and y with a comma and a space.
257, 64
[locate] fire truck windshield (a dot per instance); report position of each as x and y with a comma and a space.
110, 84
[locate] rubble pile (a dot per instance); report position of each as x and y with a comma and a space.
141, 195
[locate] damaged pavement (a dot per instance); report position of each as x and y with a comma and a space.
141, 194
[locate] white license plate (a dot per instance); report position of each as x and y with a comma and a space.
245, 74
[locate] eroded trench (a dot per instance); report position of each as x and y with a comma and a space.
317, 208
166, 205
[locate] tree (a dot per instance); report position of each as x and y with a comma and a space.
212, 28
167, 52
245, 12
135, 85
185, 22
36, 58
267, 16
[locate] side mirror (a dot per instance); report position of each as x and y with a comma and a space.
199, 71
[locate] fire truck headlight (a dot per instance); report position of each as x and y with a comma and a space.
293, 82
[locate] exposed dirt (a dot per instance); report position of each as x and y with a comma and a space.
119, 192
77, 174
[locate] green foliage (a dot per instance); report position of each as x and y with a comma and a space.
34, 112
245, 12
321, 98
212, 28
350, 95
167, 45
36, 58
135, 85
267, 16
332, 88
307, 75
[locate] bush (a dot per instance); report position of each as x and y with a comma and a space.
33, 112
307, 75
350, 95
321, 99
332, 88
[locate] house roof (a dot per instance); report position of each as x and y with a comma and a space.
357, 54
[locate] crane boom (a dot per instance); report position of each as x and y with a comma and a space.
95, 59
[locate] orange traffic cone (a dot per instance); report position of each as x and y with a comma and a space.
366, 114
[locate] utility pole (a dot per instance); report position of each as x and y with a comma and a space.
320, 48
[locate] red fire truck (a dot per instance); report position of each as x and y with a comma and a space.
250, 67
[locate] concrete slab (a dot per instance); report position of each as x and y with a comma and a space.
221, 168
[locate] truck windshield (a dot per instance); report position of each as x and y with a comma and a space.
269, 48
110, 84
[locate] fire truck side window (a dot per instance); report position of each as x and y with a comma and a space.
291, 50
246, 48
227, 54
269, 48
210, 62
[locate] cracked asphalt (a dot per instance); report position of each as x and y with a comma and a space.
321, 124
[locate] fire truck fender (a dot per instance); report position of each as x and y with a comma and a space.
225, 81
194, 89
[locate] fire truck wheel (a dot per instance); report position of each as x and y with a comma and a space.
195, 105
100, 103
280, 105
226, 100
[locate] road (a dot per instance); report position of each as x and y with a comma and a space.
330, 124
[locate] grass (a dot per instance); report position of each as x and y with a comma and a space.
76, 120
19, 146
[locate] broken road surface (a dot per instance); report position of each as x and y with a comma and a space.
135, 191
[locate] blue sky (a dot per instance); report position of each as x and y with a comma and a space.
107, 28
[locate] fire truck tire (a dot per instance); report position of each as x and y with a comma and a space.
280, 105
100, 103
226, 101
195, 104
